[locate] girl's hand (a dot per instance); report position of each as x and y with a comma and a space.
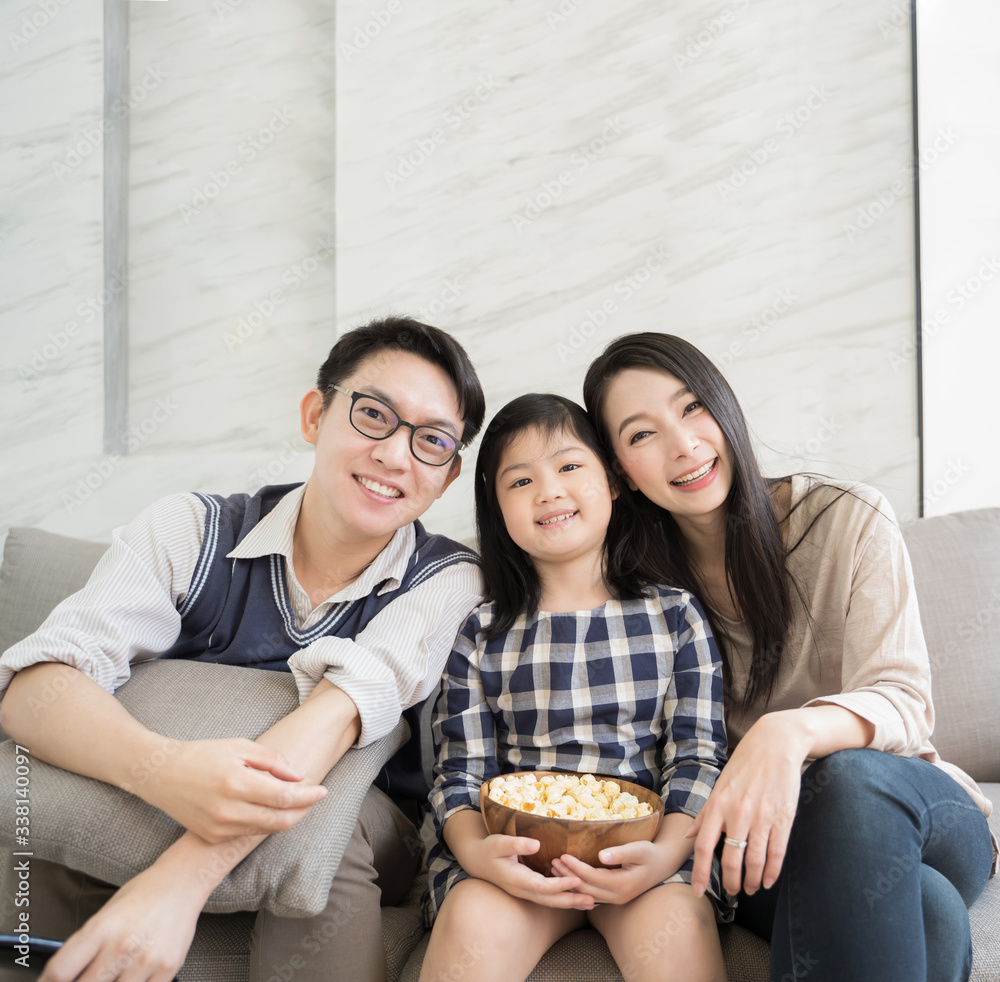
754, 799
642, 867
494, 859
142, 933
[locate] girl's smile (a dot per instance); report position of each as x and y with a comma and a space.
554, 495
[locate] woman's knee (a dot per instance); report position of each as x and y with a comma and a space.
848, 786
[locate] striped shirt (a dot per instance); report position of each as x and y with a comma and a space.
129, 611
632, 689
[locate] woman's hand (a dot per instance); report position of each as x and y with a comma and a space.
142, 933
220, 789
642, 866
495, 859
754, 800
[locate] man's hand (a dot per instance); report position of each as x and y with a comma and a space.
220, 789
142, 934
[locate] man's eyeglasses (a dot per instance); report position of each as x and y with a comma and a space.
378, 421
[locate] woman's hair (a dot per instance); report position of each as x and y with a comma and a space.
510, 578
405, 334
754, 555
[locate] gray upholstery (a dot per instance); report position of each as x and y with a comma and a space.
116, 835
40, 569
956, 567
956, 562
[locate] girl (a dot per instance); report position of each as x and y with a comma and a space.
572, 665
809, 589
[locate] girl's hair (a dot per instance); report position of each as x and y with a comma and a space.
754, 554
510, 578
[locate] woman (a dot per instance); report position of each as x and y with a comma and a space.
861, 867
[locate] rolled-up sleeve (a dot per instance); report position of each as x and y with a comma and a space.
465, 739
127, 611
694, 744
885, 677
397, 660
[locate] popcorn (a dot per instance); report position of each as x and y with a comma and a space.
573, 796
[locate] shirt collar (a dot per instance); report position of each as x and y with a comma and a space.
274, 534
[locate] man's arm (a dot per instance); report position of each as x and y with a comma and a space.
216, 788
152, 918
397, 659
59, 682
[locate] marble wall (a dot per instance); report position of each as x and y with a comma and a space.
537, 178
544, 177
51, 90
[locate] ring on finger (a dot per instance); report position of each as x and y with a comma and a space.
735, 843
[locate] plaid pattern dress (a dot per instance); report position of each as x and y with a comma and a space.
631, 689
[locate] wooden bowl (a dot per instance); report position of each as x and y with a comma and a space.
576, 837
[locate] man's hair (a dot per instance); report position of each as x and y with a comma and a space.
405, 334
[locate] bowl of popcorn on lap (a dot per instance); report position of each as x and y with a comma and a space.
574, 814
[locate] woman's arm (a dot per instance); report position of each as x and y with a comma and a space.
884, 701
756, 796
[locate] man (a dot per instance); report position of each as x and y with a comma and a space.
350, 594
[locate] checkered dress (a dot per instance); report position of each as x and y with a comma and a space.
632, 689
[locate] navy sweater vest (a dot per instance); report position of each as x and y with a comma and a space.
237, 611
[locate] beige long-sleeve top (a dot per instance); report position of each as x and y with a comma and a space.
862, 646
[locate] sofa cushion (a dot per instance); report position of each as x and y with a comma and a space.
956, 567
40, 569
984, 914
111, 834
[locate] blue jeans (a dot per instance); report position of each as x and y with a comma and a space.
885, 855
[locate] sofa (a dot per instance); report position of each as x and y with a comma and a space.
956, 563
